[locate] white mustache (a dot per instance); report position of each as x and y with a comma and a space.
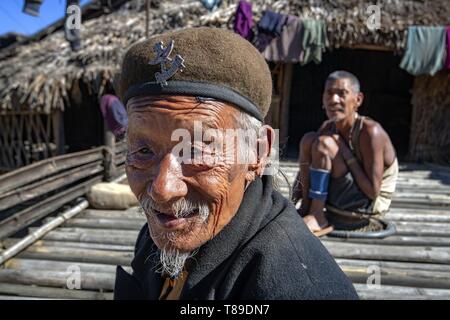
336, 107
180, 208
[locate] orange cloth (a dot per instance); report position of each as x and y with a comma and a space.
171, 289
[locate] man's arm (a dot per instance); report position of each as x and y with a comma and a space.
304, 160
368, 177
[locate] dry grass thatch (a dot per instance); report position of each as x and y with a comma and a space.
40, 75
430, 132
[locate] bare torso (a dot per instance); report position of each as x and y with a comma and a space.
369, 131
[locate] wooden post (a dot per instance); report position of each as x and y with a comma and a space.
147, 18
110, 152
58, 131
285, 101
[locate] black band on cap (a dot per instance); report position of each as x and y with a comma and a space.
195, 89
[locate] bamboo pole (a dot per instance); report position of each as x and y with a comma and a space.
147, 18
398, 241
390, 253
430, 217
20, 291
111, 232
130, 213
78, 255
401, 292
402, 277
52, 265
120, 178
394, 265
109, 155
122, 224
76, 244
89, 280
29, 215
110, 238
423, 229
3, 297
39, 233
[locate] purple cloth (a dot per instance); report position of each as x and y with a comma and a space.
447, 63
243, 22
114, 114
263, 40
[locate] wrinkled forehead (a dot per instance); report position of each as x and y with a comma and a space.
180, 110
338, 84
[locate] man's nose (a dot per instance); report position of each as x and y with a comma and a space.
335, 98
168, 184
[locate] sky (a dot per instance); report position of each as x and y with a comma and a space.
13, 19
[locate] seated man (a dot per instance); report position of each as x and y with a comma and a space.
349, 165
216, 227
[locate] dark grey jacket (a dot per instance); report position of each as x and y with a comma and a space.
265, 252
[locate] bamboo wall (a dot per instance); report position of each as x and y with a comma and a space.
430, 127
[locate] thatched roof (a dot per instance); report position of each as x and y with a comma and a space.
40, 74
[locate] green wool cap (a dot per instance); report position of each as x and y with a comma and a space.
207, 62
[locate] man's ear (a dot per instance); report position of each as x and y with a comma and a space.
359, 100
265, 142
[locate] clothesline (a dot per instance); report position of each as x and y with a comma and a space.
288, 38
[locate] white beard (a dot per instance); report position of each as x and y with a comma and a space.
172, 260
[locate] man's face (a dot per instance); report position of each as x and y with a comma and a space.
158, 177
339, 99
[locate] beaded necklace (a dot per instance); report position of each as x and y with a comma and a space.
350, 134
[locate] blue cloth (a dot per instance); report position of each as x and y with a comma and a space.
319, 180
272, 23
32, 7
270, 26
425, 50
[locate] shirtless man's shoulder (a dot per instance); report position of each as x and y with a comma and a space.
371, 131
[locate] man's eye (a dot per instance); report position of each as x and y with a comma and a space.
144, 151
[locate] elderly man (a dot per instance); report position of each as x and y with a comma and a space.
349, 165
216, 227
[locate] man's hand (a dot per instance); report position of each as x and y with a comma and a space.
344, 149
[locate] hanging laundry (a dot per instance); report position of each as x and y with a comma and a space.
425, 50
272, 22
243, 21
447, 63
269, 27
114, 114
287, 47
313, 34
211, 5
32, 7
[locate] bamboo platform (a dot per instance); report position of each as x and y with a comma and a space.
413, 264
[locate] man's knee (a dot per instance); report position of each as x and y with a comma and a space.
325, 144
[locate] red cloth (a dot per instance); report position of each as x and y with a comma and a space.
114, 114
